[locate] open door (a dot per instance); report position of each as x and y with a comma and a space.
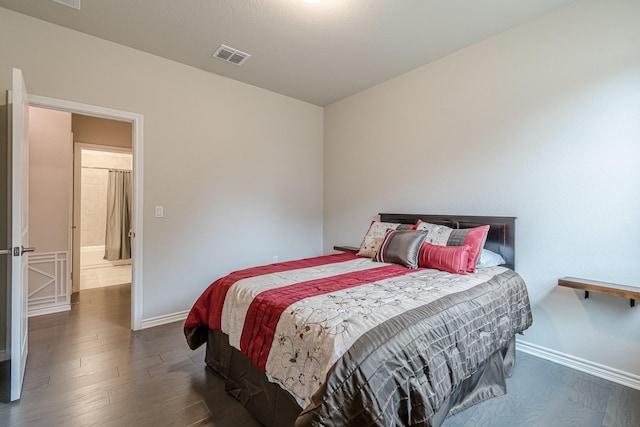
18, 207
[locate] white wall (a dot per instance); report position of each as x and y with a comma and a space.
96, 130
50, 179
541, 122
238, 169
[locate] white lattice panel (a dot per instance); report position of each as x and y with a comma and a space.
49, 289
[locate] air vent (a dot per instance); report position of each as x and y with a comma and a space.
71, 3
230, 54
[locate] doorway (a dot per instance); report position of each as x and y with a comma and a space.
135, 121
94, 165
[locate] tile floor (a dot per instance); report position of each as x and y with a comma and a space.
104, 276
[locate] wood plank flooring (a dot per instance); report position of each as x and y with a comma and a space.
542, 393
86, 368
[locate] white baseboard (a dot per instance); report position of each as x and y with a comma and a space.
164, 319
606, 372
48, 310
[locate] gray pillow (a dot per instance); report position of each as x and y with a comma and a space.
401, 247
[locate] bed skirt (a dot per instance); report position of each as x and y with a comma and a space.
273, 407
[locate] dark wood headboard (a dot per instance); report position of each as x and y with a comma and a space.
502, 232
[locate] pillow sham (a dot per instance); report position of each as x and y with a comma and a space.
453, 259
401, 247
489, 258
441, 235
375, 235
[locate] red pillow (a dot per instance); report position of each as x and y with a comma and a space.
453, 259
476, 238
442, 235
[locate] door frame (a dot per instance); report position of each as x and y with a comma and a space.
137, 122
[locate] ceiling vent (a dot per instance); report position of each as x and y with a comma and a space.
71, 3
230, 54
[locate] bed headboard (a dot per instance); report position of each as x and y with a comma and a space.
500, 239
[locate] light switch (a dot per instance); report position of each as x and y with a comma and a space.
159, 211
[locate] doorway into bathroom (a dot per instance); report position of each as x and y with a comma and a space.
68, 209
58, 131
102, 199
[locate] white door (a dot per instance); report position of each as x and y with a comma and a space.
19, 202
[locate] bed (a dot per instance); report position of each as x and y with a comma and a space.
343, 340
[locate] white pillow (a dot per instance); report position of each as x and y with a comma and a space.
489, 259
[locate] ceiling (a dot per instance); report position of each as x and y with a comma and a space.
319, 53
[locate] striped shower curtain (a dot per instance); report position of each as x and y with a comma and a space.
117, 243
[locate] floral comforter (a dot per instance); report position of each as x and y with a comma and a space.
295, 320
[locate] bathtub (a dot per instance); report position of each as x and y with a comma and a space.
91, 257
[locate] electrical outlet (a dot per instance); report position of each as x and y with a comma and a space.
275, 258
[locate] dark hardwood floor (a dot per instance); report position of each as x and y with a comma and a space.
545, 394
86, 368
